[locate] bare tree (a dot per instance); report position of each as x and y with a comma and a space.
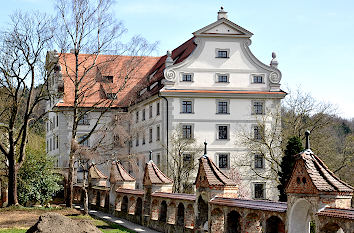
90, 31
182, 153
22, 87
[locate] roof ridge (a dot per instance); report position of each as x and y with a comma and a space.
158, 171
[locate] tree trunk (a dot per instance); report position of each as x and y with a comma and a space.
12, 186
86, 210
70, 188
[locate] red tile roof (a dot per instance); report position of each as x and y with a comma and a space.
250, 204
153, 175
95, 173
337, 213
94, 86
131, 191
179, 196
118, 173
323, 179
213, 175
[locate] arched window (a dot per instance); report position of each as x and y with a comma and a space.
180, 214
139, 207
233, 222
124, 208
275, 225
163, 211
332, 228
202, 217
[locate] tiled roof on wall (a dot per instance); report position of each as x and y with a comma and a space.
154, 175
95, 173
118, 173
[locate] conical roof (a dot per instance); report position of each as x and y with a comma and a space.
153, 175
95, 173
118, 173
210, 173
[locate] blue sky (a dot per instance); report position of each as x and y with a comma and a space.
314, 40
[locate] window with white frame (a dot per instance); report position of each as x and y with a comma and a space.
258, 161
57, 120
137, 140
223, 160
187, 131
150, 111
84, 143
157, 108
187, 160
187, 106
158, 159
223, 107
222, 78
57, 141
157, 133
259, 190
257, 78
143, 142
223, 132
83, 120
150, 135
187, 77
143, 117
257, 132
222, 53
258, 107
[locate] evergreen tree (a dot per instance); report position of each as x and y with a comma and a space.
293, 147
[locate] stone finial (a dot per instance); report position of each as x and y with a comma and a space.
307, 135
274, 61
169, 60
222, 14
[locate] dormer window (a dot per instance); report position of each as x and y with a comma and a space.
257, 78
222, 53
108, 79
187, 77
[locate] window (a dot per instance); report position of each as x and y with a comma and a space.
86, 142
257, 132
84, 120
57, 120
187, 106
258, 107
54, 125
158, 159
257, 78
111, 96
223, 132
137, 140
258, 161
116, 140
143, 118
47, 145
222, 53
187, 160
143, 139
150, 135
223, 78
57, 141
137, 116
157, 108
187, 131
50, 144
47, 126
223, 107
158, 133
223, 160
150, 111
259, 191
187, 77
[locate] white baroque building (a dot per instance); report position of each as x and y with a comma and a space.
213, 89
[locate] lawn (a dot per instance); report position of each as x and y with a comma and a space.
19, 219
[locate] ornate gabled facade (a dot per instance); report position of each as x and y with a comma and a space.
320, 198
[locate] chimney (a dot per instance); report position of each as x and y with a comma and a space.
169, 60
222, 14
